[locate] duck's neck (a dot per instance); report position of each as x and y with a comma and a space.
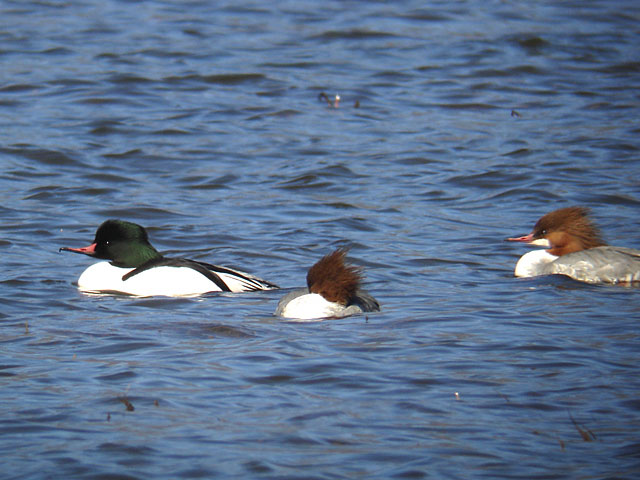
134, 257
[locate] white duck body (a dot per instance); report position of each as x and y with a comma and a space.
170, 281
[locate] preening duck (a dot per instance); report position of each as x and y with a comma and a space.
333, 291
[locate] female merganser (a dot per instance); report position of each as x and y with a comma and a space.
333, 291
576, 249
136, 268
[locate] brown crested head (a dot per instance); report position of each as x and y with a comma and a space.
568, 230
333, 279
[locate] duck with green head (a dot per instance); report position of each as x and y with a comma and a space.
135, 267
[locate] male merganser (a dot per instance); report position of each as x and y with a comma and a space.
136, 268
333, 291
576, 249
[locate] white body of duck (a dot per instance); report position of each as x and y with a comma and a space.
103, 277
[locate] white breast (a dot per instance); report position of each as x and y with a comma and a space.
534, 263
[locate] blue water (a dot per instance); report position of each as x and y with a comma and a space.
201, 121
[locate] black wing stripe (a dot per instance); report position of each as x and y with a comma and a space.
209, 271
251, 282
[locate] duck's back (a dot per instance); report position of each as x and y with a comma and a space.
600, 265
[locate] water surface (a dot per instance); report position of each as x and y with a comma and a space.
202, 122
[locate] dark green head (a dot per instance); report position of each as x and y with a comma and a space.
126, 244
